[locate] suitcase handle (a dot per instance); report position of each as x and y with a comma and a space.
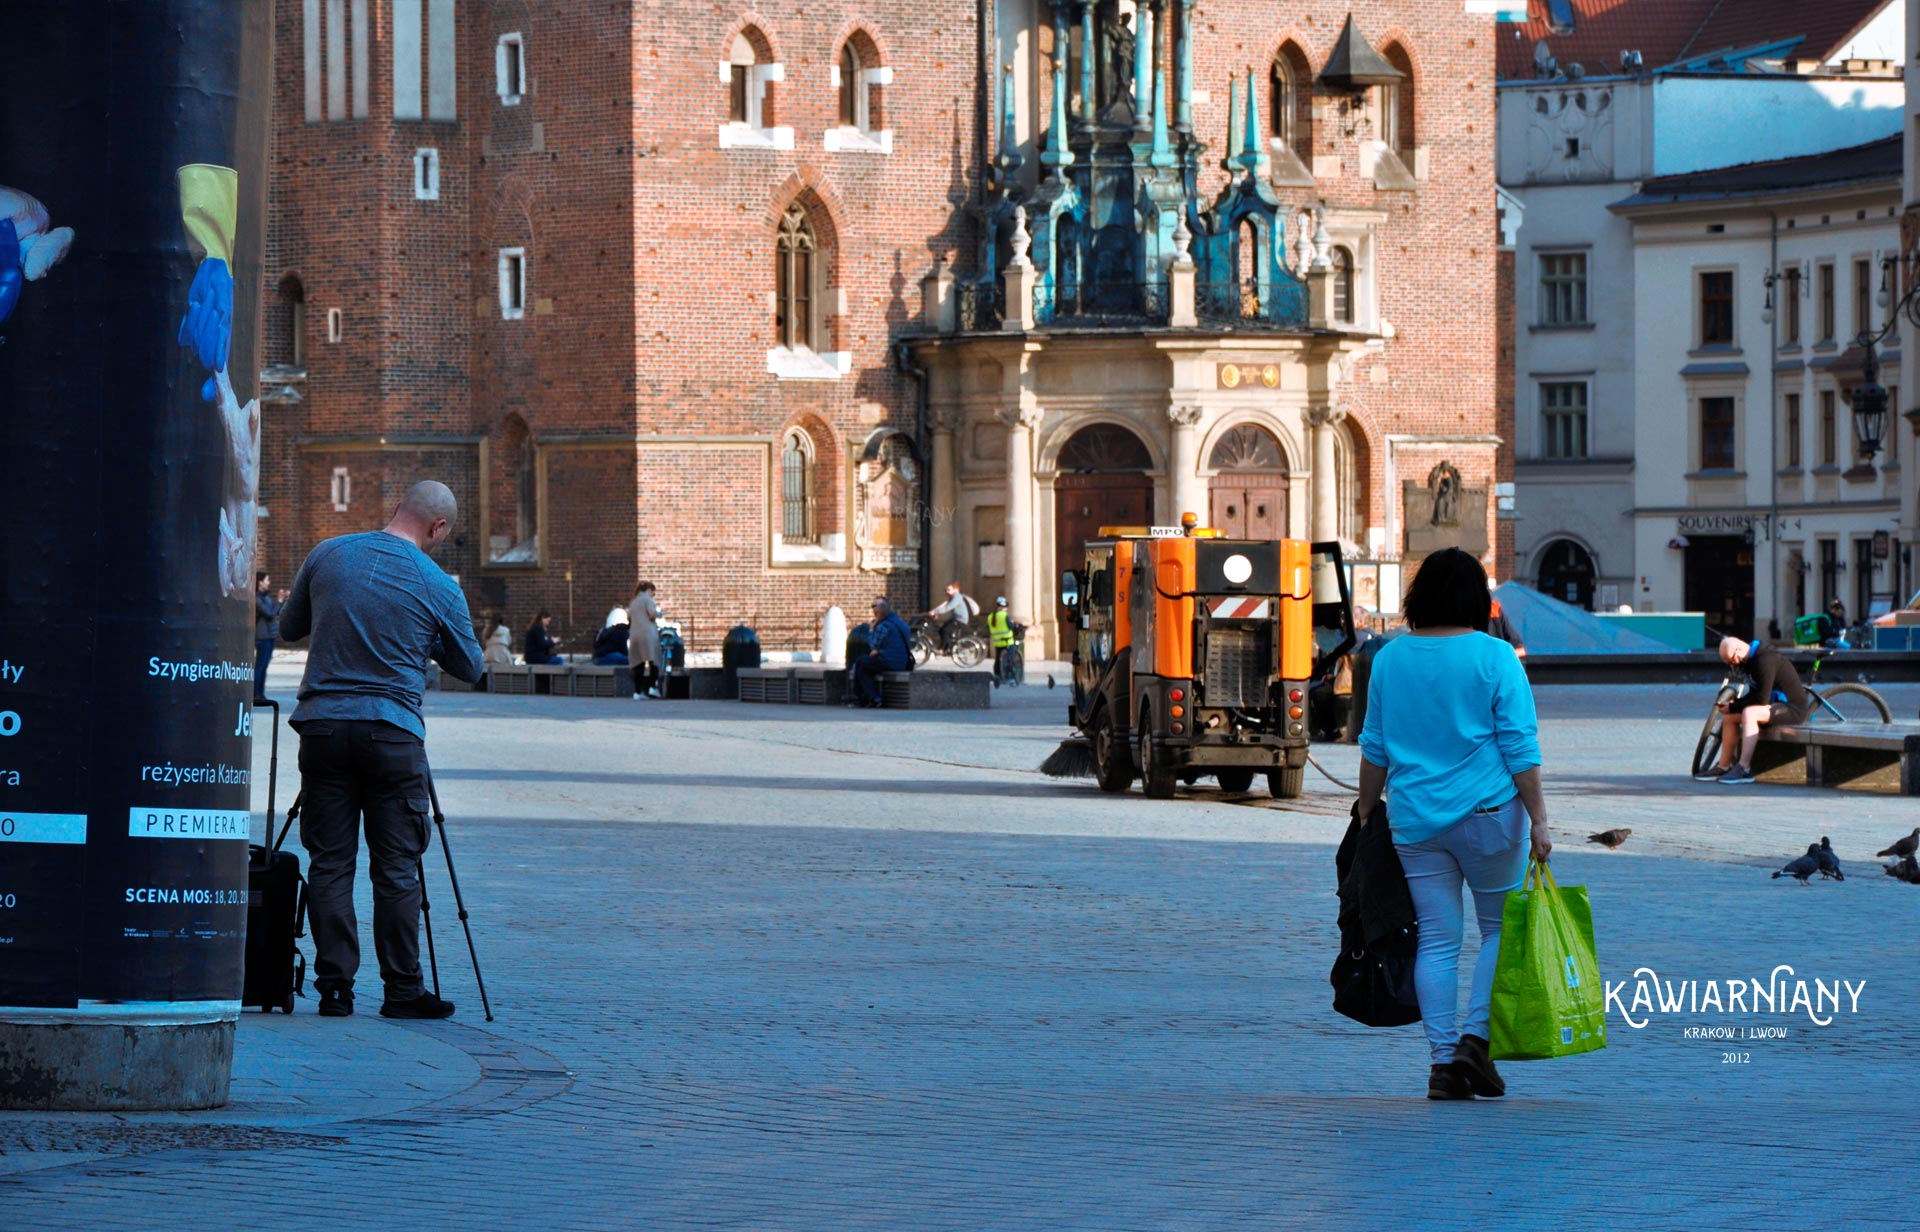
273, 763
293, 811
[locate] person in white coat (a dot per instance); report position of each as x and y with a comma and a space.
643, 641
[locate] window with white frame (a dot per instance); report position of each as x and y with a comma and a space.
336, 78
796, 488
426, 174
513, 283
340, 490
750, 80
859, 80
1343, 288
795, 269
1563, 288
335, 327
423, 60
1563, 420
510, 69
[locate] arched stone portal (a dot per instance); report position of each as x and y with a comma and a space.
1104, 478
1566, 573
1249, 484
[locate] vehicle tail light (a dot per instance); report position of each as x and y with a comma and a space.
1178, 695
1178, 727
1293, 712
1179, 710
1294, 696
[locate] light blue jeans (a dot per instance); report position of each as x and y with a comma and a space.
1487, 850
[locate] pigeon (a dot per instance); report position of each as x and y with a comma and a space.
1804, 867
1049, 681
1903, 846
1610, 839
1905, 870
1829, 866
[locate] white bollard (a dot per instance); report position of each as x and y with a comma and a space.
833, 637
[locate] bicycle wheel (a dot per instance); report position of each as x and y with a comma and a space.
1706, 753
1014, 666
1851, 703
968, 650
922, 649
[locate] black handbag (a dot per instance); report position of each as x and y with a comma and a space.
1375, 988
1373, 976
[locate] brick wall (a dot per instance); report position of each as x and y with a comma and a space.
650, 270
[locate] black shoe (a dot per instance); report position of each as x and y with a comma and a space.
336, 1003
1443, 1082
1711, 774
1471, 1059
426, 1005
1739, 776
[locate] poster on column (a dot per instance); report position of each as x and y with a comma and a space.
132, 194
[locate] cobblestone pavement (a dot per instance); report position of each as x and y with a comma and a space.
774, 968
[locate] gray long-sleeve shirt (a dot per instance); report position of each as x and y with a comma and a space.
377, 608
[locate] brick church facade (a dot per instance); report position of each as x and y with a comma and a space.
785, 306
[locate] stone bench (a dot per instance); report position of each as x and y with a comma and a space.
819, 686
1877, 757
932, 689
766, 684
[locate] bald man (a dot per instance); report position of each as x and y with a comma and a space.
377, 608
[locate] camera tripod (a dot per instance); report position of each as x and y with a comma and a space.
426, 909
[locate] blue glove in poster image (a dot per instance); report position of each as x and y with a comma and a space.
129, 296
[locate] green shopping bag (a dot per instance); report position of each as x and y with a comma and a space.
1547, 997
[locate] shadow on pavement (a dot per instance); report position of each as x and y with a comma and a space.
907, 786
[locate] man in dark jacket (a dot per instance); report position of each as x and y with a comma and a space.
891, 651
266, 630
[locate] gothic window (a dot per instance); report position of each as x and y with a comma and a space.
852, 105
513, 283
1396, 102
423, 37
797, 489
795, 272
1343, 286
743, 102
1290, 118
327, 31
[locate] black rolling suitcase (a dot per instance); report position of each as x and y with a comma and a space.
276, 907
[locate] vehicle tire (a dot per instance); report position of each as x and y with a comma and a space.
1287, 782
1706, 752
968, 650
922, 649
1236, 779
1857, 712
1112, 760
1155, 779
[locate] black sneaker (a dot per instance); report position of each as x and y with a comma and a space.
1710, 774
1448, 1082
1739, 776
1471, 1059
426, 1005
336, 1003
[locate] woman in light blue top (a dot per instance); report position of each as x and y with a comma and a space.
1451, 739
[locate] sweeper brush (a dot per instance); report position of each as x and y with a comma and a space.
1072, 760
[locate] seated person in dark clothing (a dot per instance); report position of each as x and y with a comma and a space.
539, 644
1835, 633
1776, 698
610, 648
892, 651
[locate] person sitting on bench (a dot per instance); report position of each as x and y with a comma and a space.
892, 651
1776, 699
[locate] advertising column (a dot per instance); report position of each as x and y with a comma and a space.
132, 163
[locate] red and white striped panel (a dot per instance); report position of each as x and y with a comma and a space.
1241, 608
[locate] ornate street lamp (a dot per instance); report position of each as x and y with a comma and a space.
1868, 398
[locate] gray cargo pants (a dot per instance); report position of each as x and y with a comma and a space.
350, 769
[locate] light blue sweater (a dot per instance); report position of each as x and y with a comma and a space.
1451, 719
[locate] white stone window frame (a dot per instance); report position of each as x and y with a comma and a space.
513, 284
807, 364
1540, 296
860, 137
340, 489
426, 173
510, 68
1357, 236
751, 134
336, 328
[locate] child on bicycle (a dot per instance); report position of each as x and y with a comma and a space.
1776, 698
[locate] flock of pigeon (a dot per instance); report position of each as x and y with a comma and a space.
1819, 858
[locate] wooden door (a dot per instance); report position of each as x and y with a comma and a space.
1249, 506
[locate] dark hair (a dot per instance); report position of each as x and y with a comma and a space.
644, 588
259, 576
1449, 589
544, 614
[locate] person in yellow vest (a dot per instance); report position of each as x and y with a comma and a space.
1001, 627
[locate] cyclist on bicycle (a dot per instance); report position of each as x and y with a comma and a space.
955, 614
1000, 625
1775, 697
